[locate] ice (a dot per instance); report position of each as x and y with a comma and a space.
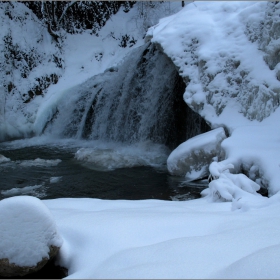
27, 230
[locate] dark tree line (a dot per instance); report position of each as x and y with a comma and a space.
76, 16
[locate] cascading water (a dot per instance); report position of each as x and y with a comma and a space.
124, 121
139, 100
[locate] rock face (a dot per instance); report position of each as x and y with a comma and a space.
193, 157
29, 238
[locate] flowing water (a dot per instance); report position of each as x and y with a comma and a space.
54, 171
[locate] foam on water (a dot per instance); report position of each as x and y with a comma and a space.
55, 179
3, 159
39, 162
141, 154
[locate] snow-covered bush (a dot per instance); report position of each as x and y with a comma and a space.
237, 188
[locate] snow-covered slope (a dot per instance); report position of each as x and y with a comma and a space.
218, 52
227, 54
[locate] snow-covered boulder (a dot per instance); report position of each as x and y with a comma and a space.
193, 157
29, 236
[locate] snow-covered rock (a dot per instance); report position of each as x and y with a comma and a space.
29, 236
193, 157
228, 54
223, 66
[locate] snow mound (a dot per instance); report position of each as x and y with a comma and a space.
192, 158
27, 230
265, 262
155, 239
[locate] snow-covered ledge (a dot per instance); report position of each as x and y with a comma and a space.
221, 50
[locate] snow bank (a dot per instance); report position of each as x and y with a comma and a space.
153, 239
193, 157
27, 230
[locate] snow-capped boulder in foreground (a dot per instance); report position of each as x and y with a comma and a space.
193, 157
29, 237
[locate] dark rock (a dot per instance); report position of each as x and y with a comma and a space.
8, 269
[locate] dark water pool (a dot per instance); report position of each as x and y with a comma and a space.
72, 178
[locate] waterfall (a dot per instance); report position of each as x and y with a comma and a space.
141, 99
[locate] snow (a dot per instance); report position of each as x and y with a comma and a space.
156, 239
211, 49
218, 49
80, 61
27, 230
192, 158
